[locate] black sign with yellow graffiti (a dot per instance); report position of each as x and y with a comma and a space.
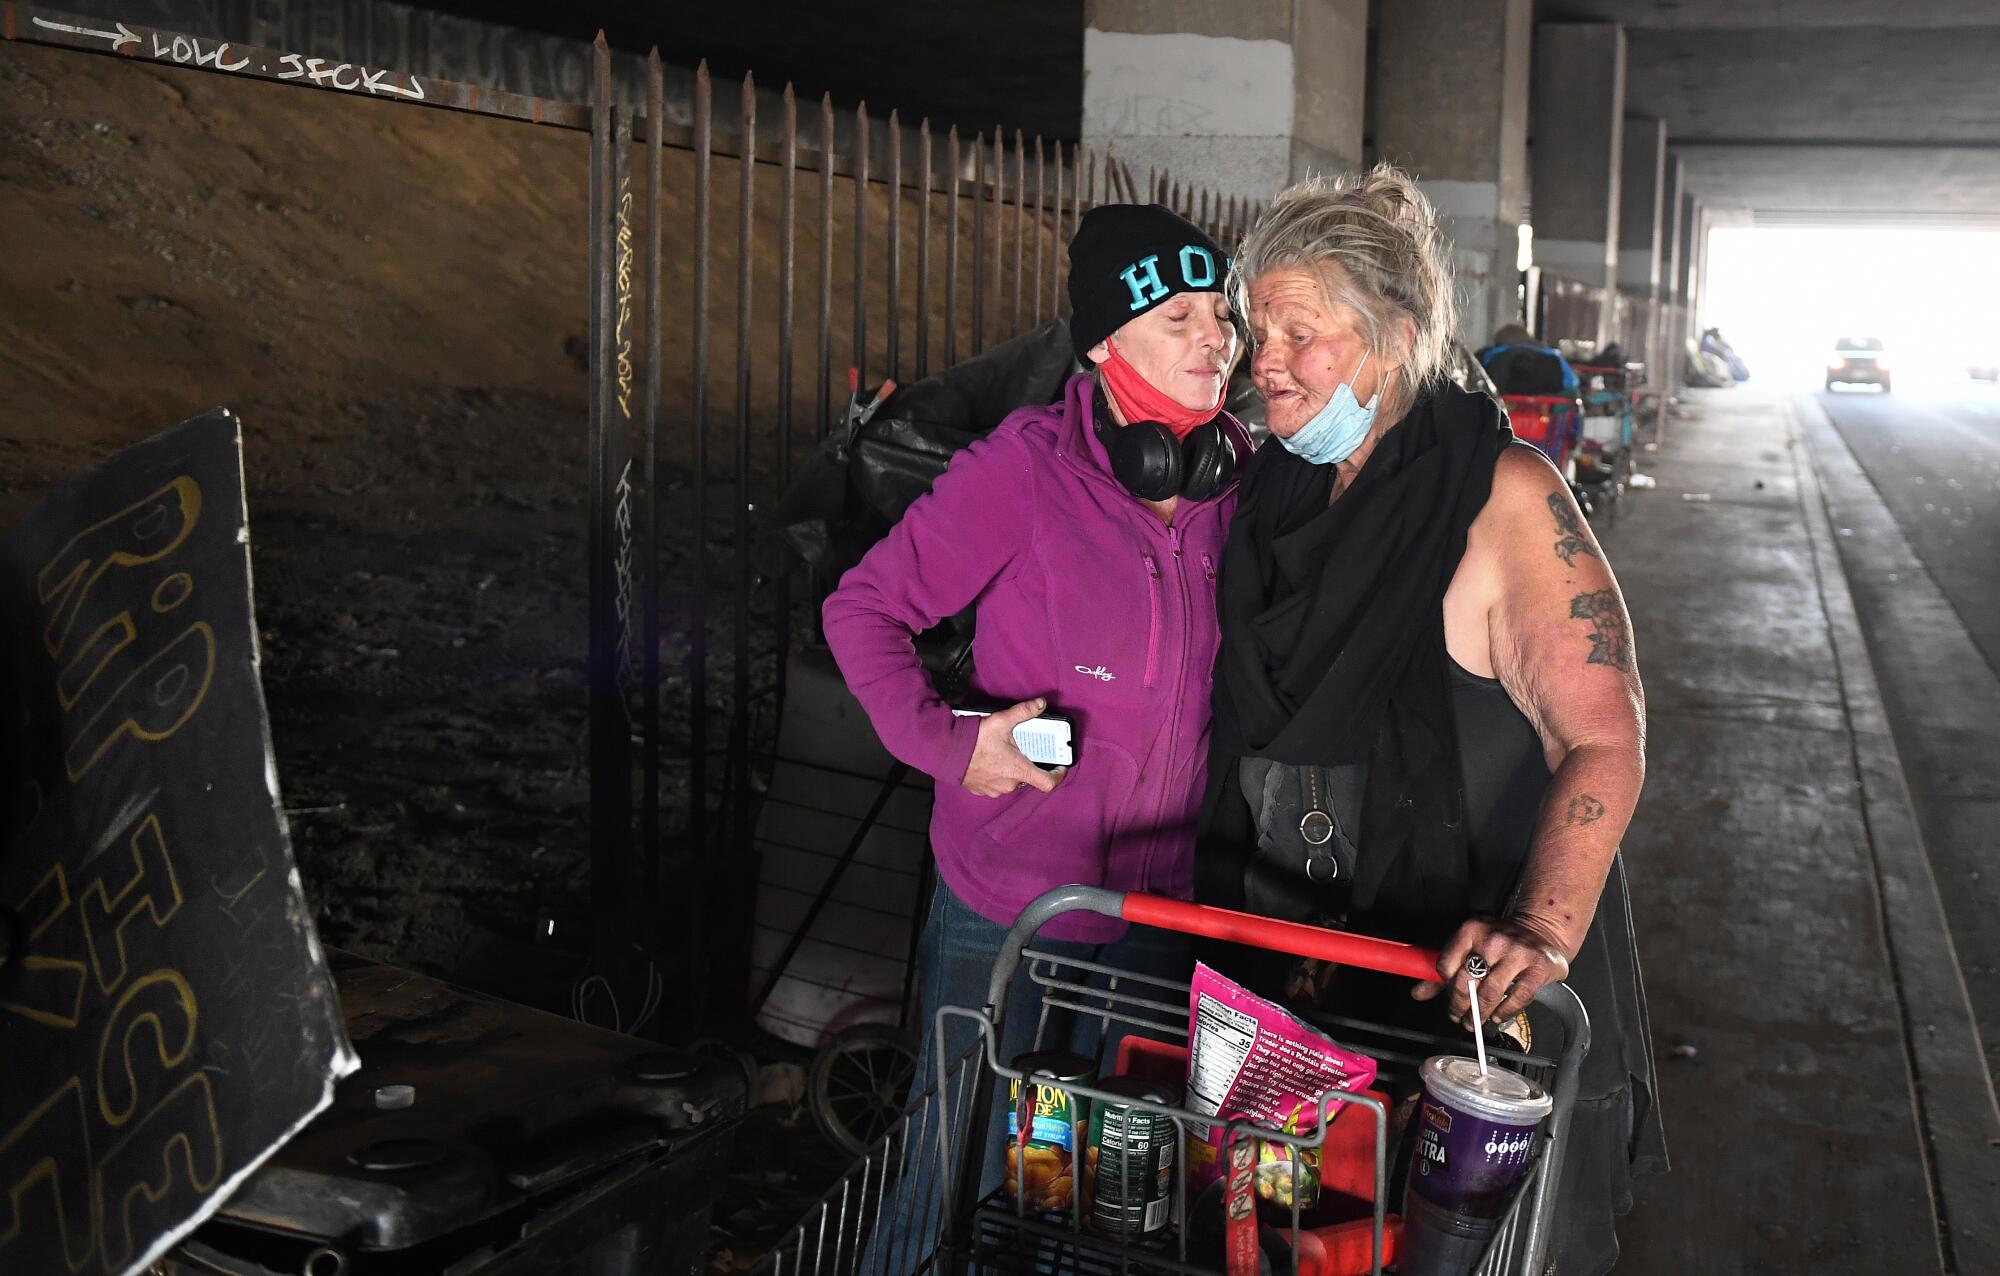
166, 1016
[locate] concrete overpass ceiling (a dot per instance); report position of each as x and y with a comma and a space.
1728, 15
1833, 84
1876, 185
1806, 108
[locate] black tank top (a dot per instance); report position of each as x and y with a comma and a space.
1505, 775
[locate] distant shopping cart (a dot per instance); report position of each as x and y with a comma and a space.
1604, 446
1552, 422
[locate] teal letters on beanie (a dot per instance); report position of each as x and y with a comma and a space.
1143, 276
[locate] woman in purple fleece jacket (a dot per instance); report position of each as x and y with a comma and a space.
1086, 534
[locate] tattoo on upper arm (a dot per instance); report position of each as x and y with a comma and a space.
1572, 541
1610, 643
1584, 809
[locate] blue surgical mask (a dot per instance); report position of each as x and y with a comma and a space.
1336, 429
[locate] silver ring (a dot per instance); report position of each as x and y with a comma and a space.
1316, 827
1475, 966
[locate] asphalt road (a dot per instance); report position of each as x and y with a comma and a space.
1935, 458
1912, 485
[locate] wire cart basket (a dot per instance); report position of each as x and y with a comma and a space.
1552, 422
916, 1203
1604, 450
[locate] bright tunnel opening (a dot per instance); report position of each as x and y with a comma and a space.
1784, 297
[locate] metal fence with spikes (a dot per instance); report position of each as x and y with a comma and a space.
958, 243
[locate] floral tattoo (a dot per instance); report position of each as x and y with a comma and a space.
1610, 642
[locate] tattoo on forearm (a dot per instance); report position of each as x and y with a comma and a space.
1584, 809
1610, 644
1573, 541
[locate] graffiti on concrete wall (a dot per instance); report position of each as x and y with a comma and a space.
224, 55
375, 33
375, 48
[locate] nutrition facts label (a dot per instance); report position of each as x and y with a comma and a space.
1252, 1059
1227, 1037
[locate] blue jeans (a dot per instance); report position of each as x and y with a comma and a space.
955, 959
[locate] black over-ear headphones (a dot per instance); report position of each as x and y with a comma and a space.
1153, 465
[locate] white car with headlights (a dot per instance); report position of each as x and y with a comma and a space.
1858, 361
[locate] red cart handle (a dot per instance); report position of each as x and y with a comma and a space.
1296, 938
1200, 919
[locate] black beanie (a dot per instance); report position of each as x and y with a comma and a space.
1127, 258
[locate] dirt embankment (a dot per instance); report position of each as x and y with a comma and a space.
393, 301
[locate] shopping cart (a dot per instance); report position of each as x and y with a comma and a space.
915, 1203
1552, 422
1604, 450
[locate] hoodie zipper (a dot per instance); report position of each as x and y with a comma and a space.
1161, 781
1152, 620
1208, 566
1153, 647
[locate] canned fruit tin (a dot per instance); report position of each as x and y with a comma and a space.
1041, 1168
1129, 1161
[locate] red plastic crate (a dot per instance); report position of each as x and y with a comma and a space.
1347, 1169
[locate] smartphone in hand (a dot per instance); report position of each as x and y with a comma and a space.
1048, 741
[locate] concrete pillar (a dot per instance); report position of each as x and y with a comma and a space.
1449, 89
1641, 184
1698, 303
1684, 252
1670, 229
1673, 313
1684, 245
1243, 98
1578, 120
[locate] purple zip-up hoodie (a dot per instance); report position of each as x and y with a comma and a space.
1083, 596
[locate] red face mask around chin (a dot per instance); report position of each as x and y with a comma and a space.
1140, 400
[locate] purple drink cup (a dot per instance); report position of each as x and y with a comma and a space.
1474, 1133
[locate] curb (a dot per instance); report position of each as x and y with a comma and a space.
1951, 1091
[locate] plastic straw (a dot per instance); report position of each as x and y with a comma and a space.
1478, 1037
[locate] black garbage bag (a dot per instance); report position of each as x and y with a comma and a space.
1527, 370
862, 478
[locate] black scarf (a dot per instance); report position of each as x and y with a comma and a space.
1333, 646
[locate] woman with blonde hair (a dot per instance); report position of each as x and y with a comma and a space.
1428, 721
